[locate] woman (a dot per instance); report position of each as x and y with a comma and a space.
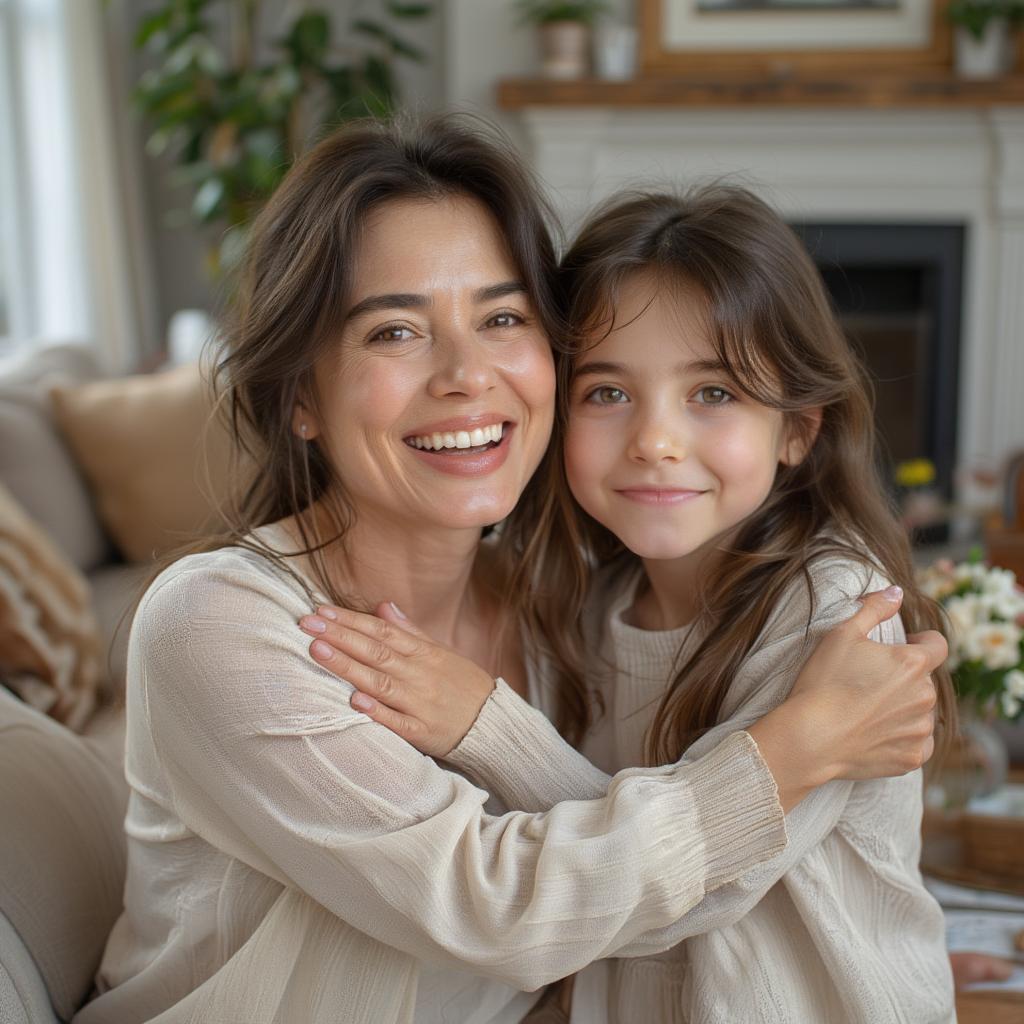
390, 371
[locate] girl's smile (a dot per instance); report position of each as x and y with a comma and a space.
663, 448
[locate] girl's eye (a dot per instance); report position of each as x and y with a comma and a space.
505, 320
607, 395
713, 396
391, 333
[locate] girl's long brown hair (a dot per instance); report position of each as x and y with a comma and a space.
774, 329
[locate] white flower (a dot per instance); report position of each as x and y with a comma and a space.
996, 644
1011, 705
1013, 683
965, 613
973, 573
1000, 582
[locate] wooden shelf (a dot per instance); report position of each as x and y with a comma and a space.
870, 90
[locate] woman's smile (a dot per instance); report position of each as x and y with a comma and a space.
473, 446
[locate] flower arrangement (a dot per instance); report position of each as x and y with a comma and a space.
985, 609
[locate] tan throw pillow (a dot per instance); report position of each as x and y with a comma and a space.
49, 642
141, 443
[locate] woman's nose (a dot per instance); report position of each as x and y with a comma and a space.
657, 439
465, 367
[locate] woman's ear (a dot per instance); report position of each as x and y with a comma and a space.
304, 424
801, 433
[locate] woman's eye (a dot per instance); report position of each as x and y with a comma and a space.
607, 395
713, 396
393, 333
505, 320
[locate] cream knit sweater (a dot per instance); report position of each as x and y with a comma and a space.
291, 862
837, 928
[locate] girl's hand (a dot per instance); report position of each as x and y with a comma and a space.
858, 709
421, 690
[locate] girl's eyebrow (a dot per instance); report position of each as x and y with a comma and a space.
596, 368
410, 300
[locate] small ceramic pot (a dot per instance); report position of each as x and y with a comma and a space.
565, 49
988, 57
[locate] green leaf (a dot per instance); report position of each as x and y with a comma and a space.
150, 26
208, 199
310, 36
400, 10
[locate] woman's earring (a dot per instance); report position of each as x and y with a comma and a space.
302, 430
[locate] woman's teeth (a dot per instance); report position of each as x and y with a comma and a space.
459, 438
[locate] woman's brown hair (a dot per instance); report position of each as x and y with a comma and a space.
294, 290
774, 330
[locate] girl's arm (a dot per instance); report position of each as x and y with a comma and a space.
257, 751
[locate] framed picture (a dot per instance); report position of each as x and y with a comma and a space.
677, 36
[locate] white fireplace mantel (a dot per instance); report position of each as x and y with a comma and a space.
891, 166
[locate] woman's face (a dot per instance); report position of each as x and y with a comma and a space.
435, 403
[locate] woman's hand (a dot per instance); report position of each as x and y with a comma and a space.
858, 709
421, 690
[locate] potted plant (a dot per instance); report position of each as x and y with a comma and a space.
564, 30
983, 44
984, 608
233, 110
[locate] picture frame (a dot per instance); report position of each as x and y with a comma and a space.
791, 36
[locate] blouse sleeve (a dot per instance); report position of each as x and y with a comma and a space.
510, 732
261, 755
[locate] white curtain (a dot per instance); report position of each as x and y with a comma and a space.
77, 260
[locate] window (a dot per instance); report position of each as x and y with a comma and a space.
43, 276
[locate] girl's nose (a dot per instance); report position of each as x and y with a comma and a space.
657, 440
465, 367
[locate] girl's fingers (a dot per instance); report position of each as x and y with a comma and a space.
401, 725
390, 612
401, 640
351, 670
874, 609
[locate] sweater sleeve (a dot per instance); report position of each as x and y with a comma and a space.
509, 732
261, 755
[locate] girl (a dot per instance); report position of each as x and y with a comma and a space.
718, 444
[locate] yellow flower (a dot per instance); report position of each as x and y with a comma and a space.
915, 473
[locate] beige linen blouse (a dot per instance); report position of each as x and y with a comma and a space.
291, 861
836, 929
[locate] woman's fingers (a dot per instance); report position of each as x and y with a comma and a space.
874, 609
933, 644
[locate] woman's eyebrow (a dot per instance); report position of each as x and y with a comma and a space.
410, 300
499, 291
378, 303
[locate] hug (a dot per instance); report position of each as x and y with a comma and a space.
553, 664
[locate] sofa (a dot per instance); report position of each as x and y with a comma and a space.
62, 789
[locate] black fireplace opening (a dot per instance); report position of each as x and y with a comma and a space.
897, 289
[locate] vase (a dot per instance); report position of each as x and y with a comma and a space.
615, 52
988, 57
977, 763
565, 49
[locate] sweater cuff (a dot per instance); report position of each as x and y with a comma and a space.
741, 820
511, 743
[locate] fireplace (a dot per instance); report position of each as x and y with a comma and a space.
897, 289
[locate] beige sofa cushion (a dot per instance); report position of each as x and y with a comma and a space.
35, 463
141, 442
62, 848
49, 642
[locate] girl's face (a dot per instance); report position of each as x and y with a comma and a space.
435, 404
662, 448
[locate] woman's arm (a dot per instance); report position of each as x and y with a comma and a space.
857, 710
509, 732
261, 755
